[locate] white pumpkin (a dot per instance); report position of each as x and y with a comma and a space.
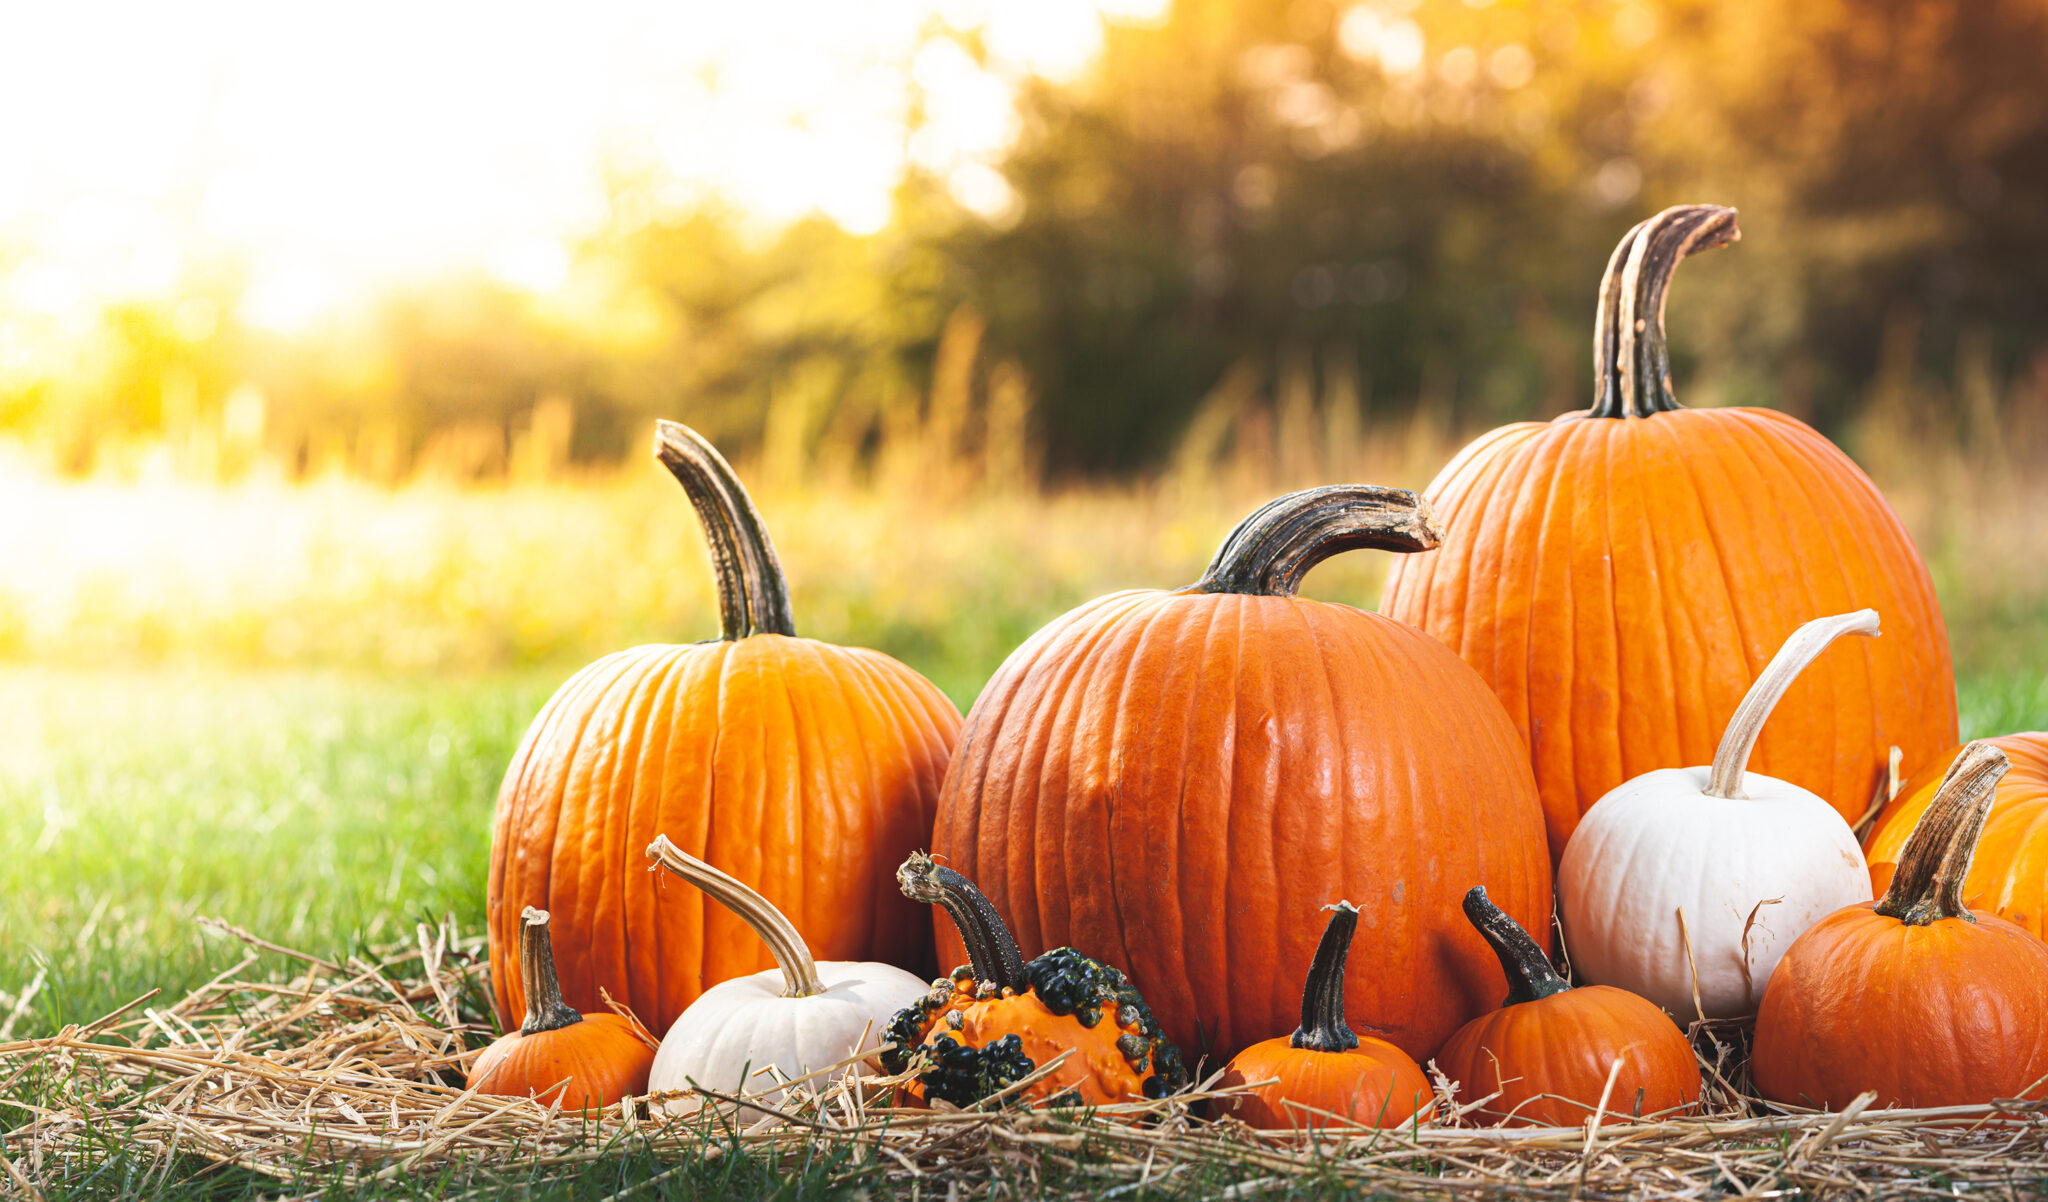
747, 1034
1709, 874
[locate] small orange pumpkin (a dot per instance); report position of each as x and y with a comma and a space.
2009, 877
1325, 1068
1913, 996
997, 1019
1550, 1051
584, 1062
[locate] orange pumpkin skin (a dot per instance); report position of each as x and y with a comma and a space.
1162, 777
807, 769
1954, 1013
1912, 996
1549, 1059
601, 1058
1548, 1052
1619, 581
1374, 1084
2009, 877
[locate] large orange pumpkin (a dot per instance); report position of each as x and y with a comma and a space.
1912, 996
2009, 877
807, 770
1170, 778
1620, 575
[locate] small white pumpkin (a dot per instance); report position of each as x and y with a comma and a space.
1710, 873
746, 1034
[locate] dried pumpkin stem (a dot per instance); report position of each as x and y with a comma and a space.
991, 951
1530, 974
1631, 363
1731, 758
1928, 885
1323, 1028
753, 596
1270, 551
545, 1009
799, 971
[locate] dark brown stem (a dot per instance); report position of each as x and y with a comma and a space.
991, 952
1530, 973
1631, 363
1270, 551
753, 597
1928, 885
545, 1009
1323, 1028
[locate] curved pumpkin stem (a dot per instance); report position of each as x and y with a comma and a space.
1928, 886
991, 951
799, 971
1323, 1028
1270, 551
1530, 974
1631, 364
545, 1009
1731, 758
753, 597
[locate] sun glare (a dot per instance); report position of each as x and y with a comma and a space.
317, 154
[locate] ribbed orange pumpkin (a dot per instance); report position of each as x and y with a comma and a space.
2009, 877
558, 1056
1619, 576
807, 770
1325, 1068
1551, 1051
1168, 778
1912, 996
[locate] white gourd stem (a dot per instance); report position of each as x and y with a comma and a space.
791, 955
1731, 759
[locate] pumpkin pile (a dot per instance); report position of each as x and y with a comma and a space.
1613, 647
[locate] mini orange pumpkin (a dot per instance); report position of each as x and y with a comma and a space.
1550, 1051
1325, 1068
997, 1019
584, 1062
2009, 877
1912, 996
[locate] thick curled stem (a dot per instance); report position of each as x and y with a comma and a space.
1928, 885
545, 1009
1731, 758
1631, 363
753, 597
799, 971
1270, 551
1530, 973
991, 952
1323, 1028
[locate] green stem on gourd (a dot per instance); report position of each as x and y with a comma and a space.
799, 971
1731, 758
545, 1009
1530, 974
1928, 885
1631, 363
1271, 550
1323, 1028
991, 952
753, 597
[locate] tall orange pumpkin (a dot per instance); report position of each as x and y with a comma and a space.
807, 770
1171, 778
1620, 575
2009, 877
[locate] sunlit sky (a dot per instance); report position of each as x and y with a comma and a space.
329, 151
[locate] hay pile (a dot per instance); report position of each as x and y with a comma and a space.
352, 1073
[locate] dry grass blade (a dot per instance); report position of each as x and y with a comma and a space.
355, 1073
